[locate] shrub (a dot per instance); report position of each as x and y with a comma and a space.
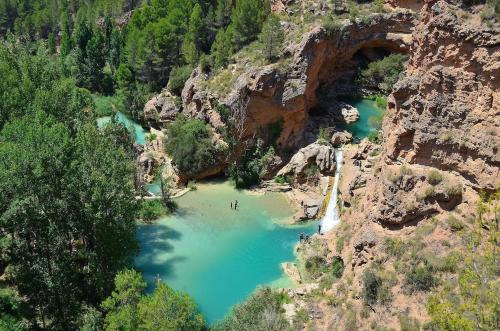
381, 102
315, 266
178, 77
108, 105
454, 223
339, 245
374, 137
394, 247
337, 267
405, 171
283, 179
190, 145
384, 73
407, 323
453, 190
434, 177
261, 311
151, 210
420, 278
332, 25
371, 286
311, 170
205, 62
323, 136
429, 192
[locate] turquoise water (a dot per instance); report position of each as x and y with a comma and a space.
154, 188
138, 131
368, 115
216, 254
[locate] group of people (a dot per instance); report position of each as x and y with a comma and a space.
235, 205
306, 238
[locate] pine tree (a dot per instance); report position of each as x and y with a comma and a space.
51, 43
222, 48
272, 37
246, 20
66, 42
193, 40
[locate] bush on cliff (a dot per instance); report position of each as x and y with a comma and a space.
262, 311
384, 73
190, 145
178, 77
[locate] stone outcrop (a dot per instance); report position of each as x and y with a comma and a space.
446, 112
341, 138
162, 109
320, 158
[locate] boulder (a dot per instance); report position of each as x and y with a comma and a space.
161, 109
314, 155
341, 138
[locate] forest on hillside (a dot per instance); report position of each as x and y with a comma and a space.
66, 188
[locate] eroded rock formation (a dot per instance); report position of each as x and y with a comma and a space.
446, 112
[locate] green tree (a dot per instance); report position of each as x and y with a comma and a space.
272, 37
51, 44
222, 48
121, 305
193, 40
190, 145
64, 196
166, 309
246, 20
66, 41
384, 73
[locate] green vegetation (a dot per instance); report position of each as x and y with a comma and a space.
151, 210
262, 311
383, 74
283, 179
420, 278
272, 37
190, 145
377, 287
434, 177
108, 105
178, 77
474, 301
249, 168
128, 308
66, 192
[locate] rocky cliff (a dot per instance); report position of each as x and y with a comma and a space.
446, 112
413, 203
270, 93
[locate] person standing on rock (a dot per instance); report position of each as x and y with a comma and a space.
301, 238
319, 228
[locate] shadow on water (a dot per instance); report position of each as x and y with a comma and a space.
156, 240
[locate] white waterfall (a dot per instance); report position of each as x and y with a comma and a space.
331, 217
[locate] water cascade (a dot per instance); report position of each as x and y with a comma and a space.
331, 217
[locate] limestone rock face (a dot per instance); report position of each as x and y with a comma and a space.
161, 109
446, 112
314, 155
